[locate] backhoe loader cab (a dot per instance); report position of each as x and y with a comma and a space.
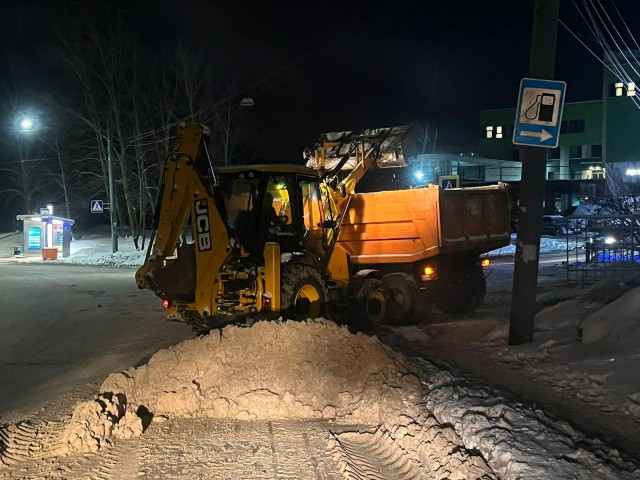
280, 204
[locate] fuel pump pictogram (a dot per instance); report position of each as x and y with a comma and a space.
540, 107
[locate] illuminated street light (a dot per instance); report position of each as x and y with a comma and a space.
26, 124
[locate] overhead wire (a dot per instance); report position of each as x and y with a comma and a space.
625, 24
610, 44
622, 73
608, 50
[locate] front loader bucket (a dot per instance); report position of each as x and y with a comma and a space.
384, 143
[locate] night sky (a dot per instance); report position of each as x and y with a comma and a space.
322, 66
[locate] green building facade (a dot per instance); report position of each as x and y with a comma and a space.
599, 139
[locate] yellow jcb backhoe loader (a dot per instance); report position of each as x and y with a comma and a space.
236, 243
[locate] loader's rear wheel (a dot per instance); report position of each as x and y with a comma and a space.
374, 297
462, 291
407, 302
302, 292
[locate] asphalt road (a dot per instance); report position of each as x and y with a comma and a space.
62, 327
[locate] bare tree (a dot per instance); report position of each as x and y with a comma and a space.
131, 97
622, 189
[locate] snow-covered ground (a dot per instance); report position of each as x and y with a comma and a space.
95, 247
585, 357
91, 248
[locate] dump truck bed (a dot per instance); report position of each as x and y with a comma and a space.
406, 226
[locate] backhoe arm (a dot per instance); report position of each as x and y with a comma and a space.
186, 195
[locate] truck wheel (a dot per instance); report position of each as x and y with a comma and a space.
407, 301
373, 297
302, 292
462, 292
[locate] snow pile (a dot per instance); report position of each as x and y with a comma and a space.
547, 245
301, 370
586, 346
616, 325
274, 371
89, 249
297, 370
95, 249
94, 422
318, 370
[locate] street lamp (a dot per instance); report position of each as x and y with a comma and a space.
26, 124
246, 102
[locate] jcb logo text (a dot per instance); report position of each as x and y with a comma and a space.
203, 228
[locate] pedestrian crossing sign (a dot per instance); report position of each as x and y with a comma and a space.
97, 206
449, 181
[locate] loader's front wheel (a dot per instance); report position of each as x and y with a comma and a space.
302, 292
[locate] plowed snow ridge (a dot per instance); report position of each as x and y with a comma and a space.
428, 423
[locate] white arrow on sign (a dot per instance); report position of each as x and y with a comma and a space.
543, 135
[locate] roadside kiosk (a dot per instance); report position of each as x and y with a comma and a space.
46, 235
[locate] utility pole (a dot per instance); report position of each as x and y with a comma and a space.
113, 207
532, 185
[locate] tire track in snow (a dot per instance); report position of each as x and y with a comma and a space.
372, 456
27, 442
119, 462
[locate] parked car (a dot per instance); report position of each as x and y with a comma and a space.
555, 225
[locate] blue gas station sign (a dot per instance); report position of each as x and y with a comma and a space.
539, 113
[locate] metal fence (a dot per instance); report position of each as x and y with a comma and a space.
602, 246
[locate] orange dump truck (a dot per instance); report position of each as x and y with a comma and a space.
426, 243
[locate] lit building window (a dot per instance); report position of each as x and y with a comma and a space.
498, 132
489, 132
619, 87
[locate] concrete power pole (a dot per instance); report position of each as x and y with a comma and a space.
532, 185
113, 206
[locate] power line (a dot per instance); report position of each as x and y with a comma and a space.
601, 25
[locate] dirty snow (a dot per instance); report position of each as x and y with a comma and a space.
587, 346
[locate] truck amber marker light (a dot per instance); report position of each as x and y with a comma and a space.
429, 273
